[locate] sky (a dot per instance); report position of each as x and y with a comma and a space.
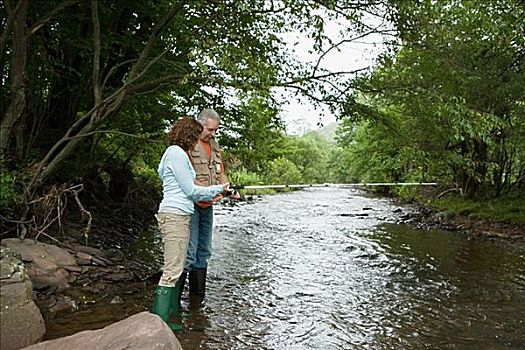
299, 114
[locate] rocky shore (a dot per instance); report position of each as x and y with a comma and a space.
67, 269
425, 218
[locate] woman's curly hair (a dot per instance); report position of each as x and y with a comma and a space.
185, 133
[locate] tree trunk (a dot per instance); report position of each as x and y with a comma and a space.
12, 127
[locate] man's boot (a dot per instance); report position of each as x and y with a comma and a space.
166, 304
198, 284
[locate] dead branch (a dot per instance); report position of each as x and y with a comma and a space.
84, 212
49, 210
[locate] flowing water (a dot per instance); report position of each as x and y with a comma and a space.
331, 268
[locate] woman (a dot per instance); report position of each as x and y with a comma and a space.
175, 210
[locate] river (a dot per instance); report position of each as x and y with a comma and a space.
333, 268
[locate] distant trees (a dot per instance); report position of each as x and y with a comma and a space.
293, 160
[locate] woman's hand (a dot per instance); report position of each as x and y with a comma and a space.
232, 193
235, 195
226, 189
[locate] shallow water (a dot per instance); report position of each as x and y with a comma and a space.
330, 268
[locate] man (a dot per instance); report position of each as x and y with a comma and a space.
207, 162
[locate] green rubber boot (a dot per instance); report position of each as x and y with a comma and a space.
166, 304
176, 296
180, 285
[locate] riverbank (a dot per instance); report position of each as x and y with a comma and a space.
493, 218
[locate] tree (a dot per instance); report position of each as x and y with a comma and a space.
310, 154
253, 133
453, 90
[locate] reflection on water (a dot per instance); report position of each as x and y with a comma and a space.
330, 269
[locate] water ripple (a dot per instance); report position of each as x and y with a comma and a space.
331, 269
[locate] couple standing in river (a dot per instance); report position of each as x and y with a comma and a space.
192, 174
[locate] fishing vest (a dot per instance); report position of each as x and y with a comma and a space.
208, 171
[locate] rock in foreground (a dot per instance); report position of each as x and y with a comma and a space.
138, 332
21, 321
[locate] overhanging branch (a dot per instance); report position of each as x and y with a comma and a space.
321, 76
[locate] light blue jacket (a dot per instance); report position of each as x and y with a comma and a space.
177, 175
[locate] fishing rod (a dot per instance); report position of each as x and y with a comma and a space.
357, 184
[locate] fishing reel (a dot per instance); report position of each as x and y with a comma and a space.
231, 192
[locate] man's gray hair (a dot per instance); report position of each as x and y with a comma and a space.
208, 113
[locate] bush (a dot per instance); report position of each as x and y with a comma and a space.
7, 189
243, 177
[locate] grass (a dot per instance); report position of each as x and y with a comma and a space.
510, 210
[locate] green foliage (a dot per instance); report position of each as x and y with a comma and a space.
251, 132
310, 154
302, 159
448, 104
373, 156
209, 48
282, 171
13, 180
146, 175
338, 166
225, 55
241, 176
